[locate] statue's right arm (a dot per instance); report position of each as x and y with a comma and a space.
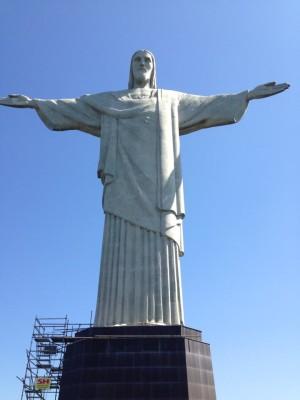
61, 114
19, 101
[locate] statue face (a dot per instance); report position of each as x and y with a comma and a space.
142, 67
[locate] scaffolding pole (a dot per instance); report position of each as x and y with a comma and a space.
45, 356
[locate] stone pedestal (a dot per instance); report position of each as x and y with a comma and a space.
137, 362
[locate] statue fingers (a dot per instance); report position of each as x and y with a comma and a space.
280, 88
5, 101
268, 89
273, 83
277, 86
19, 97
283, 86
15, 100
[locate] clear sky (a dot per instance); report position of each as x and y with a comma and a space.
241, 267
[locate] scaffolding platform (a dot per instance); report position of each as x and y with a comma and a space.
45, 356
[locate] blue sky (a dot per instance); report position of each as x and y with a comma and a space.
241, 267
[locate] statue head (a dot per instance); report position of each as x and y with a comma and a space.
142, 70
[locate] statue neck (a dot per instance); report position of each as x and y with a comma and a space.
141, 84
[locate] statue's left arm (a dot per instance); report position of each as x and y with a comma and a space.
199, 112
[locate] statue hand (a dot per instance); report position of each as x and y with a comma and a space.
266, 90
17, 100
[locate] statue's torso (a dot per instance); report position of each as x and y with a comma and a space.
135, 183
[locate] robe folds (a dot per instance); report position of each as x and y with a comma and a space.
143, 199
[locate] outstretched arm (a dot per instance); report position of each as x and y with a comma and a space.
198, 112
60, 115
266, 90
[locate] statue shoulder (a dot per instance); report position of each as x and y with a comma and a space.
97, 98
121, 95
171, 92
171, 95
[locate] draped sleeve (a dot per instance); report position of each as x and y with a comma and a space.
70, 114
199, 112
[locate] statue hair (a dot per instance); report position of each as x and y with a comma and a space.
153, 73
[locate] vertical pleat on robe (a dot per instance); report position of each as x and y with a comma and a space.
139, 277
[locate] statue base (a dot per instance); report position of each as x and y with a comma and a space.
137, 362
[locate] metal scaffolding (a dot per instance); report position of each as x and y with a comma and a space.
45, 357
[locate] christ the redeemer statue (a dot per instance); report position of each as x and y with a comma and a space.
140, 169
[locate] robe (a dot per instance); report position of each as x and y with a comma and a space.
143, 199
